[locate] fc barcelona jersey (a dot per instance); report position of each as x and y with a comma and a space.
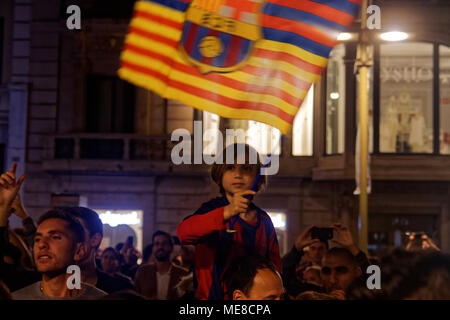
216, 248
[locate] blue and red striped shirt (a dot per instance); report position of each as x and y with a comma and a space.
216, 248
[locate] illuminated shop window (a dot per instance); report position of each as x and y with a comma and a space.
302, 130
264, 138
335, 101
211, 123
120, 224
279, 222
406, 98
444, 101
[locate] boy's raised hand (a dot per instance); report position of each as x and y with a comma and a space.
9, 187
238, 204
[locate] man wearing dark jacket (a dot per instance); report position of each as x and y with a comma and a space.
158, 280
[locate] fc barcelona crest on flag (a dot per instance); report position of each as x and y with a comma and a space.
240, 59
219, 35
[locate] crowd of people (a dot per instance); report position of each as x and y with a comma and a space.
228, 251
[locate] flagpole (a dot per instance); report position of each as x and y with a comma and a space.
363, 123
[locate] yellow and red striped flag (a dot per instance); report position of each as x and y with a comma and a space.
241, 59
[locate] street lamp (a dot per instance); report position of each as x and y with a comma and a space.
394, 36
345, 36
372, 36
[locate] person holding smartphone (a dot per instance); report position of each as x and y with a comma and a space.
420, 241
318, 240
130, 256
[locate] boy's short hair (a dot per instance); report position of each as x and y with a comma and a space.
218, 170
72, 223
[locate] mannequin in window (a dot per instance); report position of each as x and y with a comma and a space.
389, 127
417, 132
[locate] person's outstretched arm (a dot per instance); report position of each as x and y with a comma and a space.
291, 260
195, 227
27, 222
9, 189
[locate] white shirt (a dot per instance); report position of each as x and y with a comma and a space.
162, 284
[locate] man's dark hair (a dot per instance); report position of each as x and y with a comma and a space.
162, 233
410, 275
339, 251
72, 223
90, 217
242, 271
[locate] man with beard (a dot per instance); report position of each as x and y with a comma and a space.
340, 269
159, 280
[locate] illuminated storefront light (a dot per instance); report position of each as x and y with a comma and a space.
334, 95
278, 220
114, 218
394, 36
344, 36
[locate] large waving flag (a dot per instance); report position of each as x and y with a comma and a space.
241, 59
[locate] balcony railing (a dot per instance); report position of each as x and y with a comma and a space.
87, 146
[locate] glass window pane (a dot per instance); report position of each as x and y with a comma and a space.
406, 98
264, 138
444, 113
335, 101
210, 129
302, 131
